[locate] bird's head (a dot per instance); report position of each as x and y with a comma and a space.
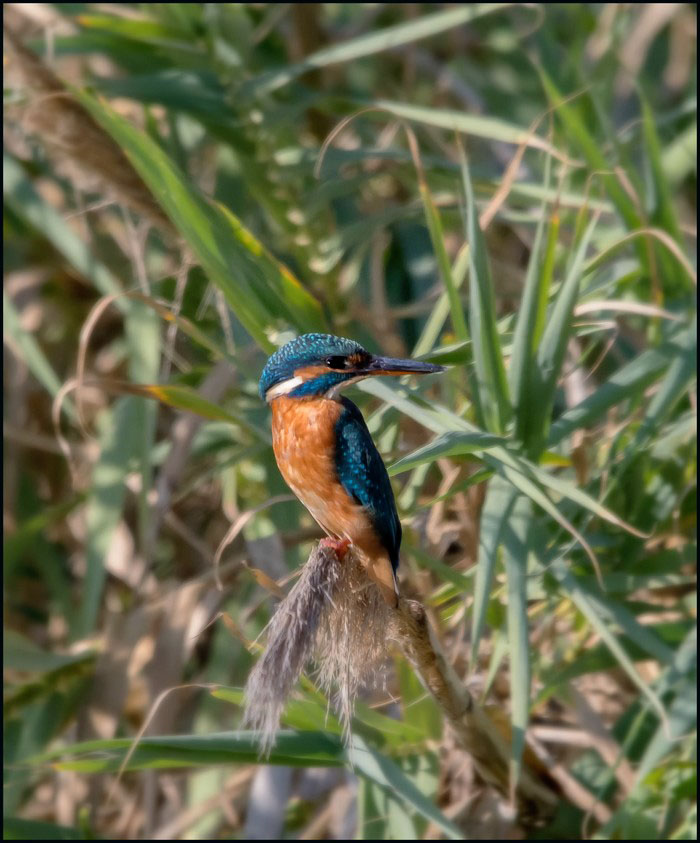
321, 365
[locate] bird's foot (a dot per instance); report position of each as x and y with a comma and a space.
340, 546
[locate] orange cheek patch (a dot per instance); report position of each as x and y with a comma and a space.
308, 373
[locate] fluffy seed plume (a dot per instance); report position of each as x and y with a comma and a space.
333, 615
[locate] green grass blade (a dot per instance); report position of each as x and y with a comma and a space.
571, 586
119, 445
627, 383
550, 354
500, 499
439, 420
534, 301
531, 323
20, 195
565, 488
16, 828
681, 373
683, 709
537, 495
663, 213
29, 351
492, 387
433, 326
618, 615
437, 238
184, 398
298, 749
680, 157
448, 445
515, 552
386, 773
573, 122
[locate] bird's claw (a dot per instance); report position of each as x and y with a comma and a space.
340, 546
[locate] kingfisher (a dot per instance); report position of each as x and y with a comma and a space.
325, 451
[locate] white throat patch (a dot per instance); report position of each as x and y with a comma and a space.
283, 388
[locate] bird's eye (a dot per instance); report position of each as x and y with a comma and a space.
336, 362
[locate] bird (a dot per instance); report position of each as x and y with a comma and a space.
325, 452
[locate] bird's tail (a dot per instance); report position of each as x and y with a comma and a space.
381, 571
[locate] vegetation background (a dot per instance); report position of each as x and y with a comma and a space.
513, 194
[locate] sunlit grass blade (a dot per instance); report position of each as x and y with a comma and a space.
679, 158
616, 614
662, 211
491, 449
439, 420
536, 494
296, 749
493, 397
477, 125
683, 710
262, 292
369, 44
644, 236
680, 677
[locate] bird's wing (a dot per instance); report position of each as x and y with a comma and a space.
364, 477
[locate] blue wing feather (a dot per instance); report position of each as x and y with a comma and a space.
364, 477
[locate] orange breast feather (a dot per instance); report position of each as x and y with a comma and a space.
303, 439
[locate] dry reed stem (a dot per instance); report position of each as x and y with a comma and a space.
337, 617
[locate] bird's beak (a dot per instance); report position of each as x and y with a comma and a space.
392, 366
